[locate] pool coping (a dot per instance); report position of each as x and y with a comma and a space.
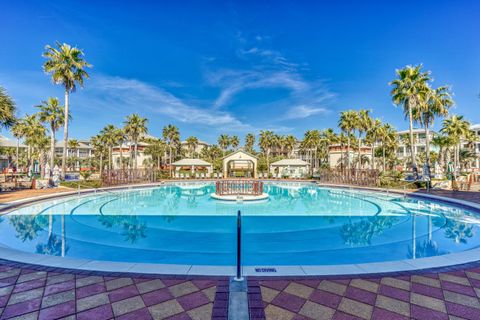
373, 268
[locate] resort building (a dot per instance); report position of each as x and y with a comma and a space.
7, 151
419, 142
198, 148
338, 153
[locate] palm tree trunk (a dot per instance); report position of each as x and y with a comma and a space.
65, 136
427, 151
170, 159
412, 147
16, 155
373, 156
348, 151
136, 148
383, 157
52, 148
101, 164
359, 152
121, 155
110, 158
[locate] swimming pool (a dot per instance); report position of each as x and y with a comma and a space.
300, 224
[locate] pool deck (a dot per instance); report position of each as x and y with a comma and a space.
38, 292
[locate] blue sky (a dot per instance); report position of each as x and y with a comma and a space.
239, 66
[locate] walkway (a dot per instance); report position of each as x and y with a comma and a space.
29, 292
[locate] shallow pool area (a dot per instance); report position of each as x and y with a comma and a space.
299, 224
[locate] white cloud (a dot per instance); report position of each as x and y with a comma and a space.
303, 111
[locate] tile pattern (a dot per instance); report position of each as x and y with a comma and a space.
42, 293
449, 294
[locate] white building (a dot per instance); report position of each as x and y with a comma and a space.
419, 143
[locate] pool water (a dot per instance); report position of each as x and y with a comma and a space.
300, 224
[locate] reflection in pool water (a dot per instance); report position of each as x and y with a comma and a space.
299, 224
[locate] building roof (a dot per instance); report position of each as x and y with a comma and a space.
191, 162
475, 126
241, 150
6, 142
290, 162
82, 144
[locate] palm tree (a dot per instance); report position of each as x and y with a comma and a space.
53, 113
156, 148
134, 127
67, 67
224, 142
289, 143
388, 136
364, 122
456, 128
409, 90
234, 142
192, 143
329, 138
34, 132
347, 123
18, 133
7, 109
73, 145
110, 138
311, 142
249, 142
171, 135
436, 104
99, 150
265, 143
121, 137
443, 142
372, 136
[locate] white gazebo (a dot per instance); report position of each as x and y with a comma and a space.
192, 164
292, 168
240, 160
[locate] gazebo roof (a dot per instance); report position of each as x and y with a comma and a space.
241, 150
290, 162
191, 162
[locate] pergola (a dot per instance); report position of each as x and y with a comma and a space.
192, 163
240, 160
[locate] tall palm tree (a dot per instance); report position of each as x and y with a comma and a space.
18, 133
347, 123
224, 142
265, 142
121, 138
249, 142
456, 128
67, 67
372, 136
192, 143
99, 150
73, 145
364, 122
329, 138
34, 133
110, 138
52, 113
7, 109
388, 136
435, 104
289, 144
310, 143
171, 135
234, 142
134, 127
409, 90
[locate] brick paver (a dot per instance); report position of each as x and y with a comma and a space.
34, 292
451, 293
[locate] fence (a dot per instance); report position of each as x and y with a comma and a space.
129, 176
239, 187
366, 177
